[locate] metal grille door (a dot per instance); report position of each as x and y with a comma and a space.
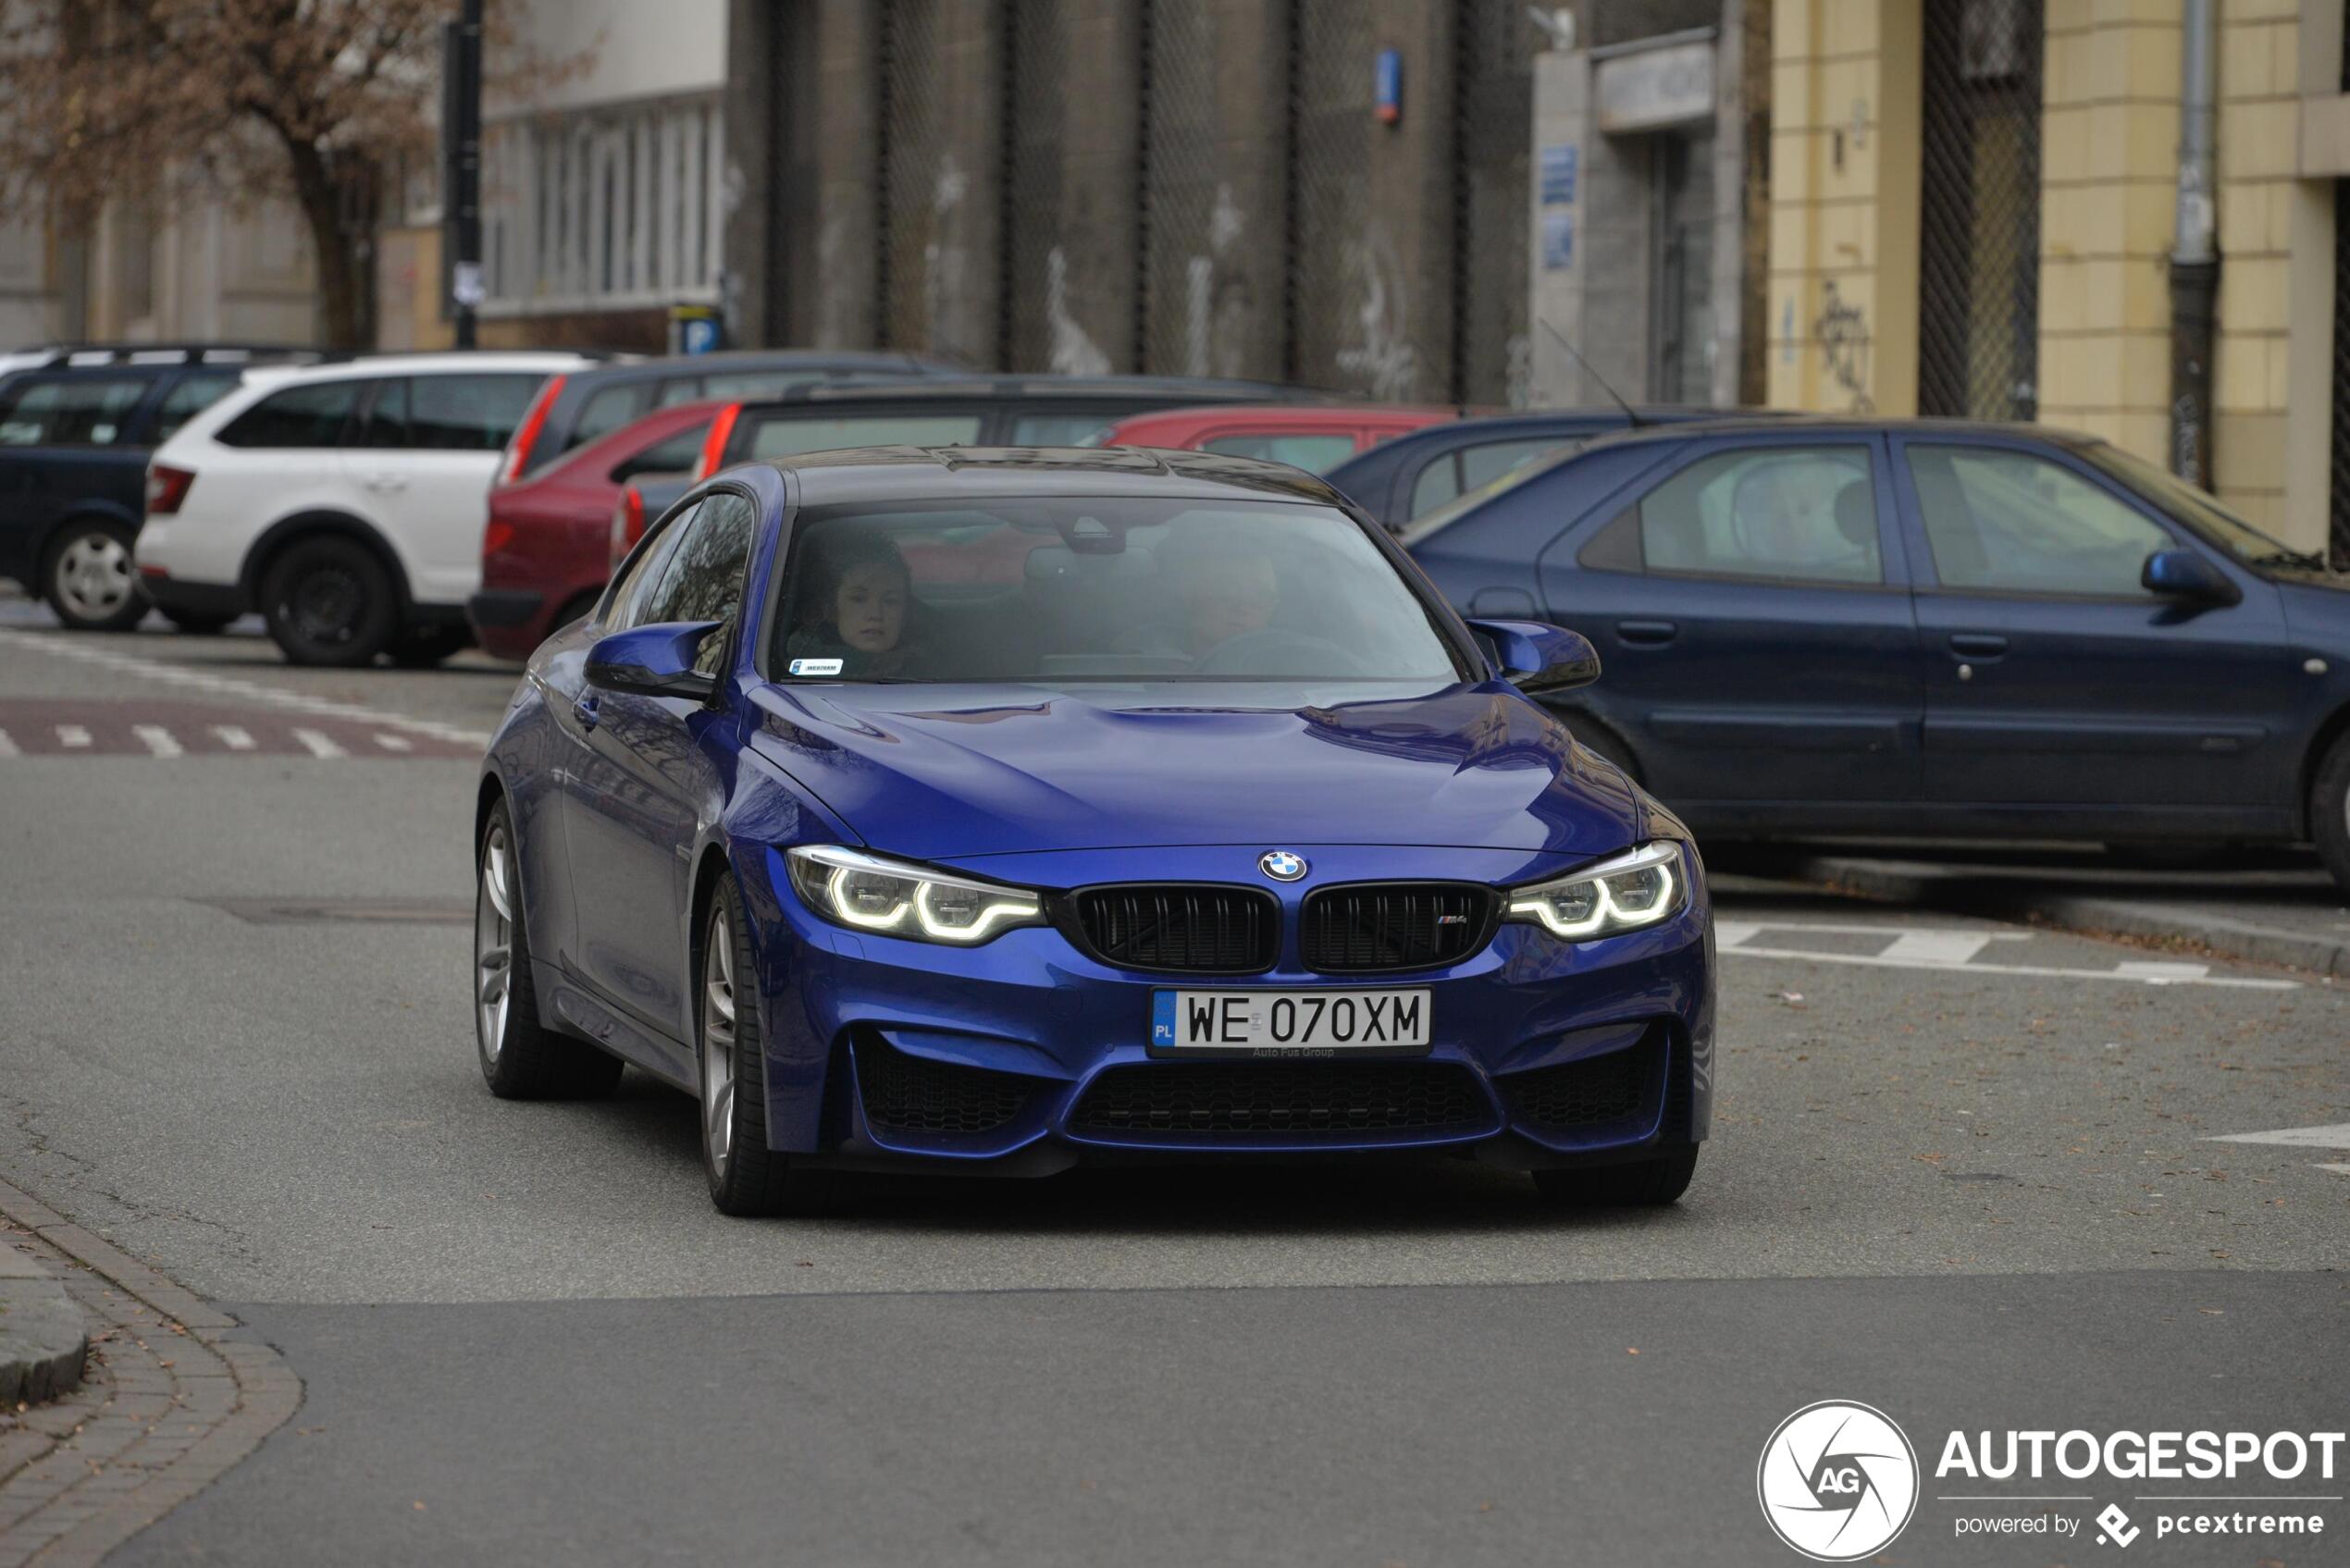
1493, 102
1178, 187
910, 167
1035, 269
1979, 210
1343, 291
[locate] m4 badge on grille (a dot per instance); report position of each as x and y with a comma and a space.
1282, 864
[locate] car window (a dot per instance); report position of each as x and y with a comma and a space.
1480, 465
386, 424
676, 454
468, 413
1063, 429
1437, 483
189, 398
628, 598
1313, 453
605, 412
70, 411
2010, 521
703, 579
309, 416
789, 437
736, 386
1099, 588
1790, 513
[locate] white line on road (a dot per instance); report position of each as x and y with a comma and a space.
2158, 970
318, 745
158, 741
1938, 947
1731, 932
74, 735
2337, 1169
2337, 1136
234, 736
230, 686
395, 743
2040, 972
7, 746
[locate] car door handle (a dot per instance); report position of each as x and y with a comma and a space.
584, 709
1977, 645
1647, 634
388, 483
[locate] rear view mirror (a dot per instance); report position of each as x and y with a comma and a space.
656, 660
1538, 657
2187, 575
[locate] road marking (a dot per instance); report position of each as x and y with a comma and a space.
2334, 1137
318, 745
1937, 946
1730, 933
2337, 1169
73, 736
234, 736
7, 746
394, 742
2162, 972
2037, 971
172, 674
157, 740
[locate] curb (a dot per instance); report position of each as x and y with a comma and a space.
42, 1339
1999, 897
172, 1399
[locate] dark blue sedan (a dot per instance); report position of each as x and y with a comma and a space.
994, 809
1917, 628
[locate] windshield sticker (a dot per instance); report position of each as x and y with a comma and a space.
815, 666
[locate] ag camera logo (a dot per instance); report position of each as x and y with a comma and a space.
1837, 1481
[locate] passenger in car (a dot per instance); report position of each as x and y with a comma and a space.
855, 607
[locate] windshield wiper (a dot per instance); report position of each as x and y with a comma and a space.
2314, 560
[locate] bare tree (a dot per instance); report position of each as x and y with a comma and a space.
231, 99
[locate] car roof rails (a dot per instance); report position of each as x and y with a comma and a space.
77, 357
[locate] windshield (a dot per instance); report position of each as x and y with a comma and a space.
1098, 589
2193, 507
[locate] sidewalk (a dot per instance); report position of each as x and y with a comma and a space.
2267, 908
43, 1339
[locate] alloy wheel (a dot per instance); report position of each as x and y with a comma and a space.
93, 577
325, 606
493, 944
718, 1040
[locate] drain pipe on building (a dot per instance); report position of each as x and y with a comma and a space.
2194, 254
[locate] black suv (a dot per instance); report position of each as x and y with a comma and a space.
75, 435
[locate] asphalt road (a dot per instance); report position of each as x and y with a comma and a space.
1961, 1171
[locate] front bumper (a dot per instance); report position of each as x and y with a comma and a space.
1026, 1055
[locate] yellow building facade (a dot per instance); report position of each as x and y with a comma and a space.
1972, 206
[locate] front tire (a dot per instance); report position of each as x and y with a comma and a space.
90, 581
521, 1058
1646, 1183
330, 602
747, 1178
2330, 811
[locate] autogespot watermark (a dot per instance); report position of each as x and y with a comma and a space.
1839, 1481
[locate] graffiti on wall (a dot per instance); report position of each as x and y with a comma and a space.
1842, 331
1381, 360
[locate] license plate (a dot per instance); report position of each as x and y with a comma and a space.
1287, 1023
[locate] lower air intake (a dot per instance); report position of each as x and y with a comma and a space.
908, 1093
1595, 1092
1281, 1100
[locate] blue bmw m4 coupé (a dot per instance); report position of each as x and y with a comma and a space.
997, 809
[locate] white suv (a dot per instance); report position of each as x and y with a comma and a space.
345, 502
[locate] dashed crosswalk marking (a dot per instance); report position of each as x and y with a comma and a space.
7, 746
394, 742
158, 740
74, 736
233, 736
2334, 1135
318, 745
1952, 950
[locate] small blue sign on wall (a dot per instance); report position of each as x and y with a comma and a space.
1388, 88
1558, 241
1559, 167
700, 336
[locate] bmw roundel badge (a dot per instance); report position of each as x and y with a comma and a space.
1280, 865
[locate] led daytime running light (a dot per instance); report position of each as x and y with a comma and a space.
822, 874
1607, 917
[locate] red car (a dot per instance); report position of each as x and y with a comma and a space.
551, 538
1317, 437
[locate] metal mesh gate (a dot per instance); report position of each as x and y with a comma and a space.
1178, 187
1339, 334
1035, 274
1493, 104
910, 150
1979, 209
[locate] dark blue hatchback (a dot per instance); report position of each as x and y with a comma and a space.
997, 809
1910, 627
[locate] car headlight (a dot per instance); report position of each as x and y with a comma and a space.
1637, 888
868, 893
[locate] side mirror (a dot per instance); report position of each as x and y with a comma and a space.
1538, 657
2188, 575
656, 660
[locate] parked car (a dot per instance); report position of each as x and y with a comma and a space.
1315, 438
1924, 628
885, 871
345, 502
1413, 475
576, 409
76, 426
553, 537
1016, 410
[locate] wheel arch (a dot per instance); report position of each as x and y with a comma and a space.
2329, 734
491, 790
291, 530
53, 535
1592, 731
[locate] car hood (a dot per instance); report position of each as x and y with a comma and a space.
938, 772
